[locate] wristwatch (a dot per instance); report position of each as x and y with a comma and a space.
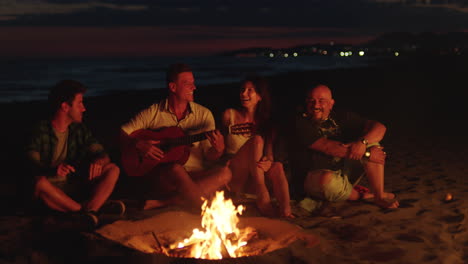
367, 154
364, 141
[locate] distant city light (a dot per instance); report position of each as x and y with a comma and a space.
295, 54
350, 53
397, 54
361, 53
324, 52
286, 55
272, 55
345, 53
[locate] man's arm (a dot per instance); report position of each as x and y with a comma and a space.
215, 149
308, 134
145, 148
374, 132
217, 145
341, 150
330, 147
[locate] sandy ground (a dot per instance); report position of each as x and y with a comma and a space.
424, 115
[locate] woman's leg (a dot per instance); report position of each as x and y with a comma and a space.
258, 176
246, 175
240, 168
280, 187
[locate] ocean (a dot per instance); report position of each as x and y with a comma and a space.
24, 80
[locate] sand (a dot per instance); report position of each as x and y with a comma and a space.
419, 102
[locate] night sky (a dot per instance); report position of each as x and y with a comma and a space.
34, 28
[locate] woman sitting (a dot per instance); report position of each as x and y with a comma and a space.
249, 137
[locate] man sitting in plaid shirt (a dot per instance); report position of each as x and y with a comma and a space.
72, 173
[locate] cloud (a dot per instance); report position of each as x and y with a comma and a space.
243, 18
175, 26
359, 15
12, 9
455, 5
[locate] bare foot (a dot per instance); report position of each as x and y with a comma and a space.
386, 204
151, 204
286, 213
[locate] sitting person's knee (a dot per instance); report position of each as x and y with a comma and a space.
325, 178
335, 187
41, 184
112, 170
173, 168
316, 181
277, 166
112, 166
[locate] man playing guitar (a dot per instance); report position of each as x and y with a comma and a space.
170, 181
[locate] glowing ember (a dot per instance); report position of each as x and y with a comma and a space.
222, 237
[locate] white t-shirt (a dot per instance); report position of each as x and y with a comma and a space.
199, 119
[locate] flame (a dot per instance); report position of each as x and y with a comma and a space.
221, 234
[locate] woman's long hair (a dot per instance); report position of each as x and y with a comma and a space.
262, 115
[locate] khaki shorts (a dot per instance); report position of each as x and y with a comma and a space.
338, 189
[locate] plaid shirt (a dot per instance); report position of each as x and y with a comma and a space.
81, 146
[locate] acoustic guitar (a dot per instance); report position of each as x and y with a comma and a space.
173, 141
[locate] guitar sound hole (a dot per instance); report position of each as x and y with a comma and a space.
165, 147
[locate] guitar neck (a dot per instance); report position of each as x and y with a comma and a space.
186, 140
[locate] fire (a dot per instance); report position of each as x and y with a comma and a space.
221, 237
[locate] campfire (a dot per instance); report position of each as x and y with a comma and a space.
220, 234
221, 237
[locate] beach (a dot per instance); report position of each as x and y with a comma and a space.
418, 99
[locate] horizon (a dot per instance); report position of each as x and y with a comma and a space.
76, 52
127, 28
101, 42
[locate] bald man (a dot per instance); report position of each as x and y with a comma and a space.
328, 145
